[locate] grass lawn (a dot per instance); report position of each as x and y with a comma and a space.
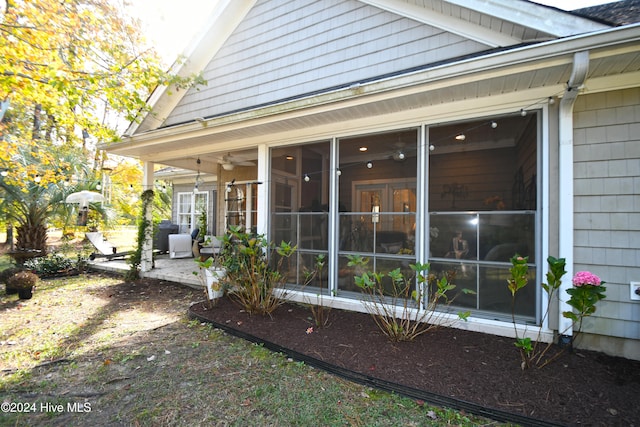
96, 350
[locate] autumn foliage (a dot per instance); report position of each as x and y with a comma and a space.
72, 74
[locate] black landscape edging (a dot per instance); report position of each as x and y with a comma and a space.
433, 398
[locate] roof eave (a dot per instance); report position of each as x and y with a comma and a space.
539, 17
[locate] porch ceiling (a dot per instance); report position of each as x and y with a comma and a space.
429, 95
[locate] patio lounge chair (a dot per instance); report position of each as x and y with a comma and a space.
105, 249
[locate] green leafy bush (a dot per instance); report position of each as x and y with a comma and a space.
51, 265
254, 269
587, 290
404, 307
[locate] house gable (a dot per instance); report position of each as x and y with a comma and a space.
285, 50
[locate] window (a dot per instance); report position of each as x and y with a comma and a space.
300, 204
241, 204
190, 206
377, 193
482, 206
477, 182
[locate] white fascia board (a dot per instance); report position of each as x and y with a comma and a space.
541, 18
610, 83
223, 20
445, 22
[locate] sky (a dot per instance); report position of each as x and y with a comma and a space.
170, 25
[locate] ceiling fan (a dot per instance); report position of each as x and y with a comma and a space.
229, 162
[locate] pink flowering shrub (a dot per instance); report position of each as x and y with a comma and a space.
583, 278
585, 293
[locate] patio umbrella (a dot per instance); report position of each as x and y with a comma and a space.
84, 197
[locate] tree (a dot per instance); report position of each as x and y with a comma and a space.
37, 199
71, 71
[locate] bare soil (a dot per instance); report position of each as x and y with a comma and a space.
581, 388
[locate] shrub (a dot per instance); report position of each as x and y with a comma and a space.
7, 273
402, 307
319, 311
23, 280
50, 265
587, 290
254, 270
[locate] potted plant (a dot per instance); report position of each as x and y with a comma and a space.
4, 278
202, 225
23, 281
210, 274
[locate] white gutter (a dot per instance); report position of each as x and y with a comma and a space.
565, 185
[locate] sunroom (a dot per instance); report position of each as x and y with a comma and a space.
462, 196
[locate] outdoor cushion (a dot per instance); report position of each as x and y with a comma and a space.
180, 246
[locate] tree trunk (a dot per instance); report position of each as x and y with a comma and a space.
32, 238
9, 241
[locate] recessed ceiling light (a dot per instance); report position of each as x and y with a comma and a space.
363, 149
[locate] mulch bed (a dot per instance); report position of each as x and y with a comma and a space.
580, 388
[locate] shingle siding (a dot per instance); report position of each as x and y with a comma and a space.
607, 204
285, 49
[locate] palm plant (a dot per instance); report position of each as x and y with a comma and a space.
31, 200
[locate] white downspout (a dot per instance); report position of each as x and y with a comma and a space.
565, 186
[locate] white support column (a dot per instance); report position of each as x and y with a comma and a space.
263, 190
334, 217
565, 190
422, 227
422, 196
146, 261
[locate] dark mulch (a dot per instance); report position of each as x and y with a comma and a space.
580, 388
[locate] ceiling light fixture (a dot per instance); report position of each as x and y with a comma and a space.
363, 149
369, 164
399, 156
197, 184
461, 137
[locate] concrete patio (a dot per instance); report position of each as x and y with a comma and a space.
172, 270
